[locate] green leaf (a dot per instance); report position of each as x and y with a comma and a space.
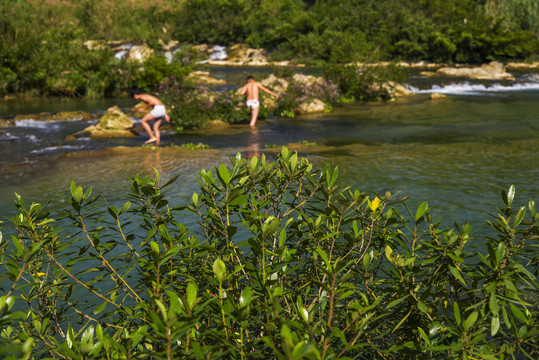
499, 253
191, 294
219, 270
518, 313
421, 210
493, 304
422, 307
224, 174
519, 217
424, 336
510, 195
154, 246
434, 328
304, 349
396, 302
125, 207
137, 335
246, 297
456, 273
456, 311
470, 321
304, 314
100, 308
531, 206
494, 325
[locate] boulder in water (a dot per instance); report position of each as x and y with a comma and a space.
311, 106
393, 89
114, 124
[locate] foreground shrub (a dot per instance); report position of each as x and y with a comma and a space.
284, 264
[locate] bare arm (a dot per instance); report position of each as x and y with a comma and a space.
261, 87
243, 90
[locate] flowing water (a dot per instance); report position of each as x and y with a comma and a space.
456, 153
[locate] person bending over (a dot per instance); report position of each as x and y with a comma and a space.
253, 99
158, 113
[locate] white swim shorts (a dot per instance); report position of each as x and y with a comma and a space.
253, 103
158, 111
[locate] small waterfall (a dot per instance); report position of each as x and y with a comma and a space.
219, 53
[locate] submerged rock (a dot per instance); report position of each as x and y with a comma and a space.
437, 96
203, 77
114, 124
60, 116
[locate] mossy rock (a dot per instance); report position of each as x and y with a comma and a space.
115, 119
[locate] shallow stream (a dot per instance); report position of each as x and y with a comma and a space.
456, 153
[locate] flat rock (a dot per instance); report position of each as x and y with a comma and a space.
492, 71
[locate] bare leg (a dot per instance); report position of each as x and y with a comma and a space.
254, 116
147, 118
156, 125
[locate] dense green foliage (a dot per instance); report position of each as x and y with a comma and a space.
284, 263
41, 42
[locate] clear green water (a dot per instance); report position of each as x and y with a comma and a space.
456, 153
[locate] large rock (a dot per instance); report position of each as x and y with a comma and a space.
311, 106
114, 124
492, 71
134, 111
278, 85
393, 89
115, 118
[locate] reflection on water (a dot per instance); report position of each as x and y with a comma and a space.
253, 149
456, 153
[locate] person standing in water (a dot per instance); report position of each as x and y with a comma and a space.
253, 99
158, 113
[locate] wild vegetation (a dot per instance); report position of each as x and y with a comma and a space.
284, 263
42, 50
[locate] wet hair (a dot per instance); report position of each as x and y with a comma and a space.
135, 91
250, 77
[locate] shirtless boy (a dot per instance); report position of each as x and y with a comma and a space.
253, 100
158, 113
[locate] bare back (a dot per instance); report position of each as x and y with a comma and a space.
150, 100
251, 88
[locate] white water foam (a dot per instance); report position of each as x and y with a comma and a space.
32, 123
55, 148
467, 88
8, 137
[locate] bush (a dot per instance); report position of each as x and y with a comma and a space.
359, 82
191, 105
284, 264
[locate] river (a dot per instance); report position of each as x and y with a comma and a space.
455, 153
